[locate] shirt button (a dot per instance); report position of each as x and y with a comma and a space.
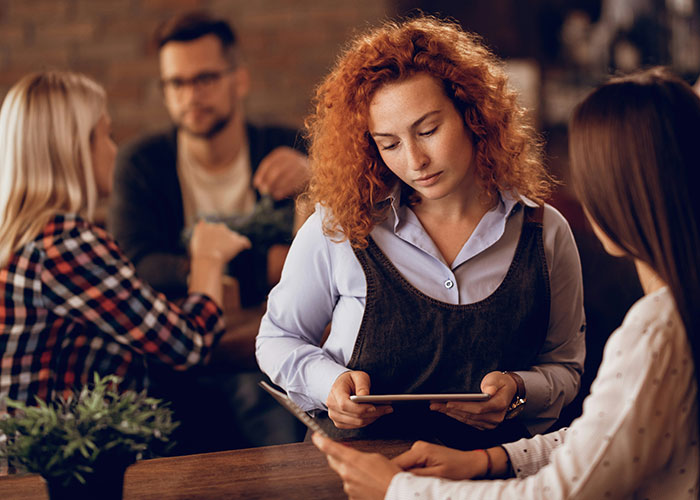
449, 284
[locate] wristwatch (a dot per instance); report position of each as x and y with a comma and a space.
519, 400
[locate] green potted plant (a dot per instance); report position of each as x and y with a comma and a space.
82, 445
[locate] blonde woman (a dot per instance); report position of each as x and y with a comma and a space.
71, 304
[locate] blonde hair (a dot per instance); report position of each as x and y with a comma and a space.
46, 125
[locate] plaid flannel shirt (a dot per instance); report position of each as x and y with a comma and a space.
72, 305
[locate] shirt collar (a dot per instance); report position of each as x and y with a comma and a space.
403, 222
508, 204
510, 200
394, 198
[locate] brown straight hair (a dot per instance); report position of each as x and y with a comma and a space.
633, 145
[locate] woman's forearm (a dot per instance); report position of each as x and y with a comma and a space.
500, 463
206, 276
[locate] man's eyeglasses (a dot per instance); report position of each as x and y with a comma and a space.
203, 81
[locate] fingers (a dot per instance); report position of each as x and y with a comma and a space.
360, 382
436, 471
347, 414
282, 173
471, 408
415, 457
239, 242
496, 403
483, 414
425, 459
502, 388
335, 456
480, 420
333, 449
217, 241
228, 243
365, 476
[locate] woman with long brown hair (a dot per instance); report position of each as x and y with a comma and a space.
634, 161
431, 251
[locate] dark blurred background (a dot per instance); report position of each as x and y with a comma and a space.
555, 49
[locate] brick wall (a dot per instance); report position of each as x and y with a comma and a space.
288, 45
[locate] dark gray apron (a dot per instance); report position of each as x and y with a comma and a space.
411, 343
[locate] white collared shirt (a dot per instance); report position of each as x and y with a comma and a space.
323, 282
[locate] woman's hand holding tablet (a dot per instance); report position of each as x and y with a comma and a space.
346, 413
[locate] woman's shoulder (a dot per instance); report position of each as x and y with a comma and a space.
554, 220
653, 312
653, 323
72, 231
314, 247
65, 223
318, 227
556, 231
312, 228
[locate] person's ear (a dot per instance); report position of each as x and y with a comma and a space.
242, 82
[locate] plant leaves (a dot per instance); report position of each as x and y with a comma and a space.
66, 437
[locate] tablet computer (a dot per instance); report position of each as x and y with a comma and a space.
293, 408
392, 398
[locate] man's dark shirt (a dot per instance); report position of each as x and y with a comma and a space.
146, 213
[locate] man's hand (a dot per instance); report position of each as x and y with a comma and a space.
486, 414
366, 476
348, 415
282, 173
425, 459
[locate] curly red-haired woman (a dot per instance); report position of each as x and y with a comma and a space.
431, 252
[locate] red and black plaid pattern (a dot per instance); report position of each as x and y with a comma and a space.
72, 305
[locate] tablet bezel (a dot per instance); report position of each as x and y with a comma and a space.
395, 398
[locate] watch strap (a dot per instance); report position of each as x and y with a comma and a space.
520, 398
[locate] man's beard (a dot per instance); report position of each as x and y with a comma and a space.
210, 132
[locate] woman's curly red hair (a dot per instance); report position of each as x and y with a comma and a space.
349, 177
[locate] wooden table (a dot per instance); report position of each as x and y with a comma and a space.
289, 471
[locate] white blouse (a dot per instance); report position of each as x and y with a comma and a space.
637, 437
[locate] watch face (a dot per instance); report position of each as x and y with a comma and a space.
516, 407
514, 412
